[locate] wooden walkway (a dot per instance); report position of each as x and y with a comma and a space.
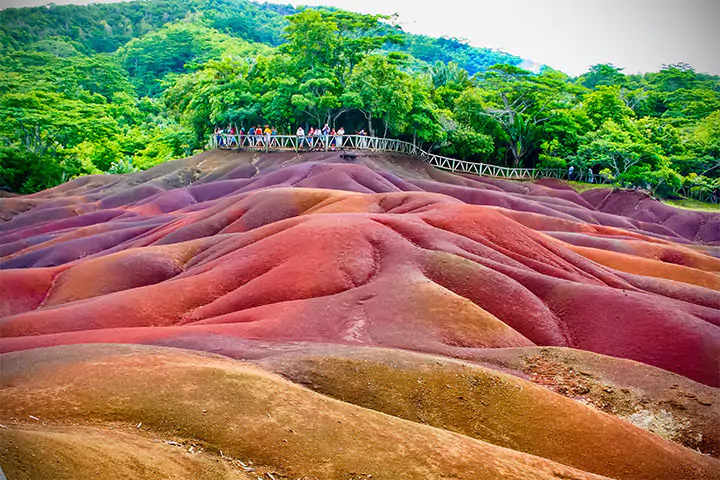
268, 143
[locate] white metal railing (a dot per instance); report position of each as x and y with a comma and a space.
268, 143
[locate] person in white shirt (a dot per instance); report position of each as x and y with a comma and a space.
340, 133
301, 137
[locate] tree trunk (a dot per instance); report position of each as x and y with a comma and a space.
339, 114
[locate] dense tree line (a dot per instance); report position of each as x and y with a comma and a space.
155, 85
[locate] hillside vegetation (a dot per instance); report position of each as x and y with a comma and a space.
118, 87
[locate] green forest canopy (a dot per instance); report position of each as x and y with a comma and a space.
117, 87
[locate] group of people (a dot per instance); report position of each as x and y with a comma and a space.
324, 138
320, 138
256, 136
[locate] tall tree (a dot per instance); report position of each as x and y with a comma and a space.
605, 104
450, 73
333, 43
603, 74
618, 148
519, 102
381, 91
219, 94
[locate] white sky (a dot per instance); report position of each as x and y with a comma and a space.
570, 35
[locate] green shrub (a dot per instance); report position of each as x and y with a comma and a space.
550, 162
666, 182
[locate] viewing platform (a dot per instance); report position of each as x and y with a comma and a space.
274, 143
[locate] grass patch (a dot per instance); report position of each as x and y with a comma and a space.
582, 186
690, 204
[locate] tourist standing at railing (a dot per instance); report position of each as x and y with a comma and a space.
273, 134
362, 142
590, 176
326, 136
219, 136
333, 138
571, 172
340, 134
317, 139
232, 140
241, 134
267, 132
300, 134
310, 134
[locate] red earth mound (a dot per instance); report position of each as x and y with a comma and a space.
343, 261
698, 226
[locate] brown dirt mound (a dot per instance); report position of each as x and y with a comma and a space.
627, 389
490, 406
44, 452
249, 414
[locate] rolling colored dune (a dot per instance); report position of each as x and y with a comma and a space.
355, 316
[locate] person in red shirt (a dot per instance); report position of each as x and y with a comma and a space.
232, 140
